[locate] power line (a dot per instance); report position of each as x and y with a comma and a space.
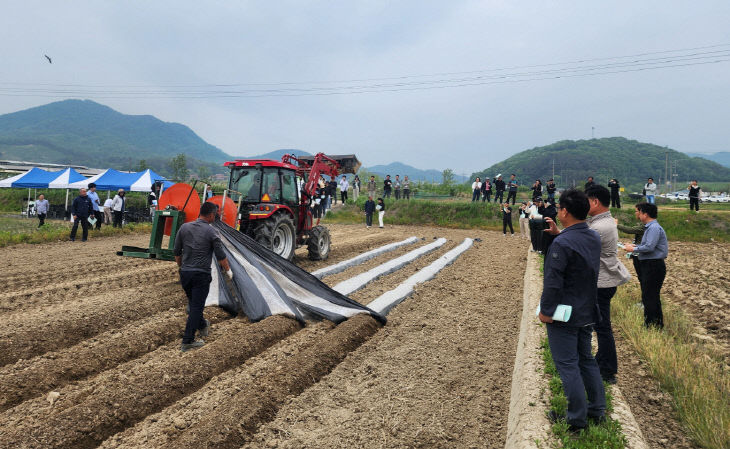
634, 65
579, 61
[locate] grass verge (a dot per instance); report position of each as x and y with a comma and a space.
684, 225
14, 231
607, 435
690, 371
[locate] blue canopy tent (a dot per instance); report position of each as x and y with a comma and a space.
37, 178
132, 182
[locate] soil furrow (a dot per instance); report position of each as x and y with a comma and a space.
28, 334
158, 429
54, 293
259, 401
29, 378
128, 396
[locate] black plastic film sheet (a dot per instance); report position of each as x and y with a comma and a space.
266, 284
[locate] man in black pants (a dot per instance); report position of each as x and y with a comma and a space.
612, 274
195, 244
570, 279
512, 185
81, 209
498, 190
615, 193
507, 219
387, 186
652, 251
694, 195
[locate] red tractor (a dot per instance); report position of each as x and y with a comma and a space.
276, 199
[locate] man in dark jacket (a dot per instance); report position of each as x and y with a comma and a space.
81, 209
550, 188
571, 279
615, 188
387, 186
499, 189
369, 210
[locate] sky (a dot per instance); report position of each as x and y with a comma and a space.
433, 84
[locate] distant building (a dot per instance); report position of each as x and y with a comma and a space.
219, 177
16, 167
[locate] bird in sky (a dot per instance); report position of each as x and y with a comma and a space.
49, 59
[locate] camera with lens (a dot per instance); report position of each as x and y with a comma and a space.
539, 224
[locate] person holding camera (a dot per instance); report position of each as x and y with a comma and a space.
499, 189
536, 189
507, 220
615, 193
612, 273
550, 188
652, 251
537, 225
694, 195
570, 278
486, 190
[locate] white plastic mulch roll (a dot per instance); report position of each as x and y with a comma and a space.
357, 260
356, 283
388, 300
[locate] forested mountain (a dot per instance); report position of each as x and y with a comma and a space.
629, 161
721, 157
87, 133
414, 174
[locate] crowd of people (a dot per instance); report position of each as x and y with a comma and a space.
582, 273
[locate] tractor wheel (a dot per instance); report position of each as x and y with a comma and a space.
278, 234
318, 243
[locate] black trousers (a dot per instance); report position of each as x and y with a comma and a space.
499, 196
653, 272
397, 194
536, 235
386, 193
486, 196
41, 220
406, 194
615, 200
343, 196
507, 222
571, 350
606, 354
475, 195
369, 219
118, 216
512, 195
99, 215
196, 285
84, 228
693, 201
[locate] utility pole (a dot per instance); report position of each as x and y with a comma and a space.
666, 167
553, 168
593, 134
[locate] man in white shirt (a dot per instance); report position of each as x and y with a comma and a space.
108, 211
94, 197
612, 273
650, 189
344, 185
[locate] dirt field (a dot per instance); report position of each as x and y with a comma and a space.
89, 354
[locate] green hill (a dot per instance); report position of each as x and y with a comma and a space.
721, 157
629, 161
87, 133
414, 174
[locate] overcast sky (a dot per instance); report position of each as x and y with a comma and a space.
130, 55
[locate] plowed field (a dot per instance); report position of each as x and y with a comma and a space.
89, 354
